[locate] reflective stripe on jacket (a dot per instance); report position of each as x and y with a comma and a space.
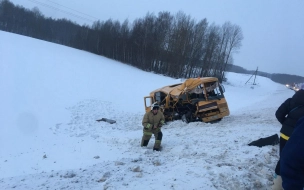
151, 120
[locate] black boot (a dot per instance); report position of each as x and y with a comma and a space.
145, 143
156, 149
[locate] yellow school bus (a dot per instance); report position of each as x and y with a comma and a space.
197, 99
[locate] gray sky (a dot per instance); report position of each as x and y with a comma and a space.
273, 29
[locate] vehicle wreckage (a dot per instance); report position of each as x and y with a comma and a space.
197, 99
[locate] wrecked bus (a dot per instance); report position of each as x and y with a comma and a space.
197, 99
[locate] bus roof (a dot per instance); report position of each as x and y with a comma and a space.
188, 85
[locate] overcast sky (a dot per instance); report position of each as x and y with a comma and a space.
273, 30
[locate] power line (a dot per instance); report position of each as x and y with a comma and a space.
60, 10
73, 9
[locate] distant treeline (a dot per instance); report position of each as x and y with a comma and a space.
287, 79
172, 45
276, 77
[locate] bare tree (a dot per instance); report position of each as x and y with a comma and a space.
235, 37
197, 48
210, 50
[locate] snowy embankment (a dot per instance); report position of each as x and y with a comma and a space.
59, 145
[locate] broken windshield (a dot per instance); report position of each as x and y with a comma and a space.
214, 90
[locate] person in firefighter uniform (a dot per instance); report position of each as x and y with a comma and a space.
152, 123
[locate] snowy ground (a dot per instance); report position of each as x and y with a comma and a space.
49, 138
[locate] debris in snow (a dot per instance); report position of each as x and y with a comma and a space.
136, 169
107, 174
156, 163
69, 175
106, 120
139, 175
119, 163
44, 156
103, 179
257, 184
137, 160
96, 157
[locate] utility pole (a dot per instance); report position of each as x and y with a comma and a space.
255, 73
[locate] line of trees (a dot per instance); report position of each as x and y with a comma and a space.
172, 45
286, 78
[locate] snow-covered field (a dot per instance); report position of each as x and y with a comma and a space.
52, 95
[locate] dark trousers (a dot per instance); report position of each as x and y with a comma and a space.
282, 144
292, 163
147, 135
